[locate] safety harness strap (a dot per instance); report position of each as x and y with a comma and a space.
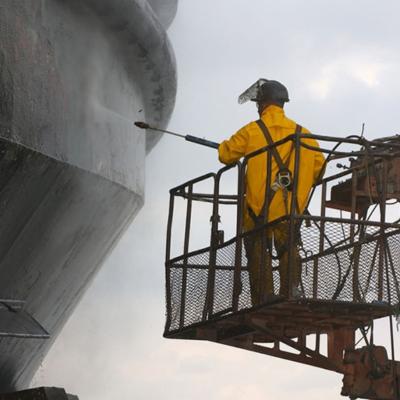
270, 142
283, 169
274, 151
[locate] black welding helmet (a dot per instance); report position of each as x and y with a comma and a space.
265, 90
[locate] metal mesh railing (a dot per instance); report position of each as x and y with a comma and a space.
355, 258
364, 269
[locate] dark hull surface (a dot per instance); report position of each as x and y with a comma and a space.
73, 74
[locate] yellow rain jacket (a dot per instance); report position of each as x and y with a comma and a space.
250, 138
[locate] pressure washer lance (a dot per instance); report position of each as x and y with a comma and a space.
189, 138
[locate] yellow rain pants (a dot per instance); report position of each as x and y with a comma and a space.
260, 264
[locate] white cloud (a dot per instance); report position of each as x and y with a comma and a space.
348, 69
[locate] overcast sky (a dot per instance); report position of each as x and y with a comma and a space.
340, 61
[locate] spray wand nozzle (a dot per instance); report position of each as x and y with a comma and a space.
142, 125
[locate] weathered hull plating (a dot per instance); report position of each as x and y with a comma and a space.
73, 74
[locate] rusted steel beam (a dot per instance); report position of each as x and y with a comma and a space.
274, 352
302, 349
340, 340
185, 260
167, 258
237, 277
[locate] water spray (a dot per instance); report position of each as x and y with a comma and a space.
189, 138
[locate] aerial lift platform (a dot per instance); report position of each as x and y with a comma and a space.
349, 243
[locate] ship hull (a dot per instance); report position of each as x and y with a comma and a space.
73, 77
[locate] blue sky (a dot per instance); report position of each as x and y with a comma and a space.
340, 62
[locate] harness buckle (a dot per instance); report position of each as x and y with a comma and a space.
284, 180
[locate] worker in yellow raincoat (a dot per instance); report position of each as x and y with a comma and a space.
272, 126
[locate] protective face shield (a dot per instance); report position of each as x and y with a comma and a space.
265, 90
251, 93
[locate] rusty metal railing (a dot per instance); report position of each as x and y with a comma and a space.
348, 255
